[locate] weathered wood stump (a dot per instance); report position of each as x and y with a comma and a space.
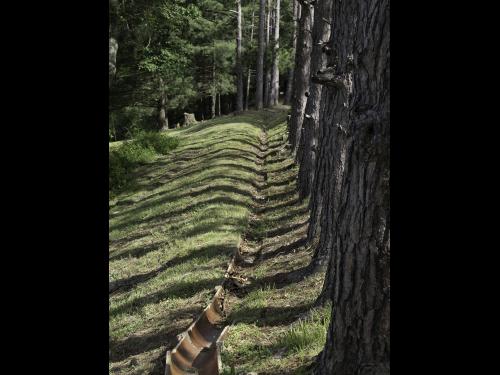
189, 119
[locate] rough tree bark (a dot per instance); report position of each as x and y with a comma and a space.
275, 74
306, 152
260, 57
301, 73
247, 98
355, 118
239, 67
267, 65
289, 83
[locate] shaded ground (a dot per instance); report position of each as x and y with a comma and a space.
172, 238
274, 329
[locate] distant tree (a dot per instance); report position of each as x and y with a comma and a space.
289, 85
275, 75
239, 65
260, 57
267, 55
249, 75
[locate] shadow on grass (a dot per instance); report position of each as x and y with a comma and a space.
184, 193
160, 217
133, 281
181, 289
269, 316
133, 345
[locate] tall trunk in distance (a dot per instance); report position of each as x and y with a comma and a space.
214, 92
247, 97
113, 43
301, 73
213, 101
306, 152
289, 83
259, 82
162, 107
356, 106
218, 101
275, 80
113, 50
267, 77
239, 67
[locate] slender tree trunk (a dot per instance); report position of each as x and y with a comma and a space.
113, 50
275, 80
355, 120
247, 99
214, 99
301, 73
289, 83
306, 153
214, 92
162, 107
218, 101
239, 67
260, 57
267, 82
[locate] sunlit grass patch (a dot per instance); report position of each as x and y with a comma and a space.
308, 334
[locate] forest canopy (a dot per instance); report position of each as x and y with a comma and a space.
181, 54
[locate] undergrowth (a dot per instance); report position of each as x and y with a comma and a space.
141, 150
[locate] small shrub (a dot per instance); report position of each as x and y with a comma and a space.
157, 141
139, 151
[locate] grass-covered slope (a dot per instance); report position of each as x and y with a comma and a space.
172, 237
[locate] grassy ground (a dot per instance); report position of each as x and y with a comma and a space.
172, 237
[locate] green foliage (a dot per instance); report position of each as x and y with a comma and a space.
184, 49
160, 143
143, 149
125, 123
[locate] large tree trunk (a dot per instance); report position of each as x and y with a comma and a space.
247, 98
260, 57
355, 151
162, 107
306, 152
239, 67
275, 74
301, 73
289, 83
267, 82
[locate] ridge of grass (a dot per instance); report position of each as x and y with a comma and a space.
172, 235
